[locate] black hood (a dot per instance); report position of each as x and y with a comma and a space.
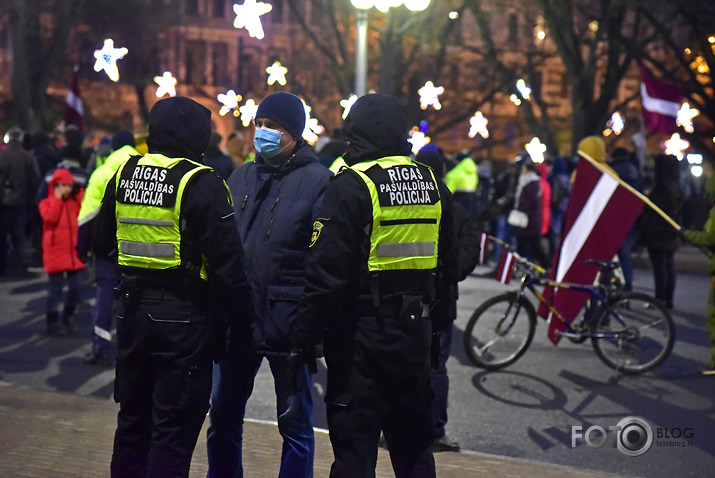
375, 127
179, 127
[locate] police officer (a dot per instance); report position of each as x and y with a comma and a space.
383, 235
169, 221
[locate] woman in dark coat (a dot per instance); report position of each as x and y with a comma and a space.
657, 234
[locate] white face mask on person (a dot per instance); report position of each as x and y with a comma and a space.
268, 142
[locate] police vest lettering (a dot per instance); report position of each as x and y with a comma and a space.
404, 185
147, 186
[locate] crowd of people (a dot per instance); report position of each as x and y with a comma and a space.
216, 259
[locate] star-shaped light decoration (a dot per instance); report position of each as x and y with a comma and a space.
478, 125
418, 139
685, 117
248, 112
276, 72
523, 89
312, 128
614, 125
347, 104
167, 84
248, 16
429, 95
676, 146
229, 101
107, 59
536, 150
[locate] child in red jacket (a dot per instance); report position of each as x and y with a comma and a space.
59, 211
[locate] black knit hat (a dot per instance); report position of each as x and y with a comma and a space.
285, 109
123, 138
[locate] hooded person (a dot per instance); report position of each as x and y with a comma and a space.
384, 233
59, 212
276, 200
168, 222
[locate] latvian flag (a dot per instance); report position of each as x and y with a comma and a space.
661, 102
505, 269
74, 113
601, 211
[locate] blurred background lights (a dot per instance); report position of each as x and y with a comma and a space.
229, 101
536, 150
685, 117
276, 72
429, 95
167, 84
478, 125
248, 16
107, 59
248, 112
347, 104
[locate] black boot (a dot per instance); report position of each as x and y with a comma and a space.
68, 319
53, 324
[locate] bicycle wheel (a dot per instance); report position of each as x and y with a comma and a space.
499, 331
644, 339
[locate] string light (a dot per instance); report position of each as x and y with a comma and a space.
536, 150
478, 125
107, 59
347, 104
676, 146
167, 84
229, 101
418, 139
248, 16
248, 112
685, 117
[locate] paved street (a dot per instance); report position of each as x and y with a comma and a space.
520, 417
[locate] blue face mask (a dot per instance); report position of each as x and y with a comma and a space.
267, 141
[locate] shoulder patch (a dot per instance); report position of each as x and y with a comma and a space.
317, 228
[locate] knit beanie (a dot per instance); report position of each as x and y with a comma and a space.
123, 138
285, 109
594, 148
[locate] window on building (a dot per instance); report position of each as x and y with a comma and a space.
191, 7
219, 64
195, 62
219, 8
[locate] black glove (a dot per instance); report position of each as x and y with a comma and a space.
296, 360
239, 341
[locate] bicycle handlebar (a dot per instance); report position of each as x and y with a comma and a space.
520, 259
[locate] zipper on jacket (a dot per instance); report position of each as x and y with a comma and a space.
270, 225
243, 203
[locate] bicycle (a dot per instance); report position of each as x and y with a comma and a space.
630, 332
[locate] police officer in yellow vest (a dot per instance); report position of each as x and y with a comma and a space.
169, 222
383, 235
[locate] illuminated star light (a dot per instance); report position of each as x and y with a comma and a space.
429, 95
347, 104
676, 146
685, 117
277, 72
107, 59
167, 84
229, 101
418, 139
478, 125
523, 89
248, 112
614, 125
248, 16
312, 128
536, 150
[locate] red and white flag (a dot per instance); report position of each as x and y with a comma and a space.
661, 102
74, 113
601, 211
483, 244
505, 269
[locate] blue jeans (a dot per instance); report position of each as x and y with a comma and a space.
232, 386
54, 292
624, 257
104, 301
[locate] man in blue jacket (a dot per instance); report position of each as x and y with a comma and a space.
276, 199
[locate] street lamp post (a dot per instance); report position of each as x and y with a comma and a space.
361, 28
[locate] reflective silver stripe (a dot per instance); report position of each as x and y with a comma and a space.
148, 222
396, 249
104, 334
146, 249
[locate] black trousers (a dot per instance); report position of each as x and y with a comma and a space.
379, 379
163, 384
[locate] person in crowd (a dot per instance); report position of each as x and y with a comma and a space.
467, 232
168, 221
384, 234
560, 194
462, 181
100, 153
70, 160
19, 178
660, 237
528, 204
237, 148
276, 200
332, 148
216, 159
503, 202
544, 245
123, 146
59, 212
706, 238
625, 165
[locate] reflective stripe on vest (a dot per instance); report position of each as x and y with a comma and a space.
406, 214
149, 196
